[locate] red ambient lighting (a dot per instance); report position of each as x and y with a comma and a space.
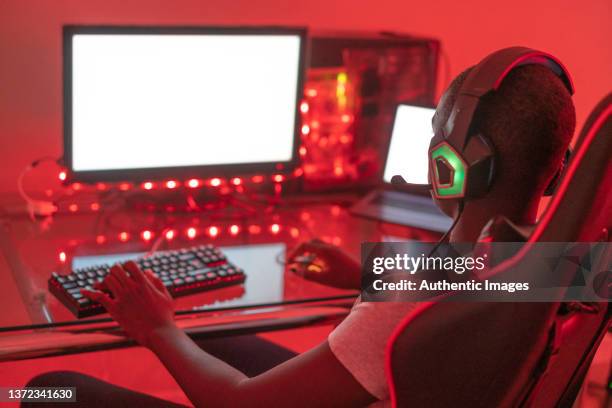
213, 231
192, 232
170, 234
146, 235
294, 232
193, 183
254, 229
124, 236
234, 230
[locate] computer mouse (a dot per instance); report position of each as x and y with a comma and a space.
306, 262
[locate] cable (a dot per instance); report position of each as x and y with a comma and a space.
157, 243
446, 235
34, 206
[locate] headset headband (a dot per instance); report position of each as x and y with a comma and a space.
487, 76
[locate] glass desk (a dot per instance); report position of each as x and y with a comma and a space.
272, 296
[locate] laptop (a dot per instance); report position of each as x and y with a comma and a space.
406, 157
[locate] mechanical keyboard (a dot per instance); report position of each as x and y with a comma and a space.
183, 271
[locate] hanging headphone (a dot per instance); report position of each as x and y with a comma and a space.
462, 162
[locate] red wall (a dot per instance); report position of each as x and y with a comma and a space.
578, 32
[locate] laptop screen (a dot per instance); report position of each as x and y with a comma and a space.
407, 155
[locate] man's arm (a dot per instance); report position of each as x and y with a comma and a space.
143, 307
314, 378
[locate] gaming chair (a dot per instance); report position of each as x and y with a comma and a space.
474, 354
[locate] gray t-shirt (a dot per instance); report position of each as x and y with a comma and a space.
360, 342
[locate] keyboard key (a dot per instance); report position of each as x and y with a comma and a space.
196, 263
199, 271
58, 278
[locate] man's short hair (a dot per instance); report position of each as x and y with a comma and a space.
530, 121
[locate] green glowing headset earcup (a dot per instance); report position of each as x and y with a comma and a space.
461, 176
448, 170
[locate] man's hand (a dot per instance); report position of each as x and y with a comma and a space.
140, 303
333, 266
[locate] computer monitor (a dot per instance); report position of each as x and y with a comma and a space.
407, 154
152, 102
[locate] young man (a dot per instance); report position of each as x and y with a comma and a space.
530, 121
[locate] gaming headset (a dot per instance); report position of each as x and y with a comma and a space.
461, 160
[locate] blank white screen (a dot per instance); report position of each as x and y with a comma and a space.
146, 101
410, 139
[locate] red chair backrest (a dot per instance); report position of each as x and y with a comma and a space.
494, 354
